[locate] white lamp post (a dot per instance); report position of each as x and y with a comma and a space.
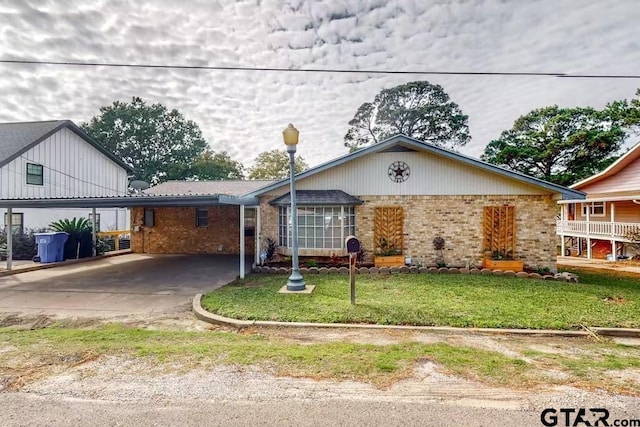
295, 283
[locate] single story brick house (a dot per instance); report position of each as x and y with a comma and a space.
400, 193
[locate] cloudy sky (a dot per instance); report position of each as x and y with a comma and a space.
244, 112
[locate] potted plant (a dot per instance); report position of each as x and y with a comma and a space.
387, 254
503, 260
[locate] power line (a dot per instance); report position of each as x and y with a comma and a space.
323, 70
73, 177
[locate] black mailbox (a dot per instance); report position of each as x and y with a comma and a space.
352, 244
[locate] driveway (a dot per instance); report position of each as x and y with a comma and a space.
117, 286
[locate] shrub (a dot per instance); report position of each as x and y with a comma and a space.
387, 248
438, 246
24, 244
361, 255
80, 241
270, 246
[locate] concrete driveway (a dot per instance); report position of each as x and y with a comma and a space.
117, 286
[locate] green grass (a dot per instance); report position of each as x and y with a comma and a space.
380, 365
593, 366
602, 298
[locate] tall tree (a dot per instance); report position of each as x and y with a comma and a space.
626, 112
150, 138
208, 166
419, 109
559, 145
274, 164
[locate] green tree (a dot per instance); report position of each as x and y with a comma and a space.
419, 109
274, 164
208, 166
150, 138
626, 112
560, 145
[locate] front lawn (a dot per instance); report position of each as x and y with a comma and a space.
602, 298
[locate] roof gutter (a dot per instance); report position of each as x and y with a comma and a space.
130, 201
634, 199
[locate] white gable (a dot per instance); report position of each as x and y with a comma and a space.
71, 168
430, 174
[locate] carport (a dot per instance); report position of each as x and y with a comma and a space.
144, 201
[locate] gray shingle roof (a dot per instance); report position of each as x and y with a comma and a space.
318, 197
16, 138
228, 187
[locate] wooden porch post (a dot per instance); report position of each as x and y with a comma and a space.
613, 231
242, 248
588, 230
562, 219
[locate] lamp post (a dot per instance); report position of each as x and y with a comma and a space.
295, 283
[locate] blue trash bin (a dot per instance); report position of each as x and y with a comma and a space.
51, 246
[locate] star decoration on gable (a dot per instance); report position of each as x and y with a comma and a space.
398, 171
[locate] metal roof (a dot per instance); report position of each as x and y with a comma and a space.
130, 201
318, 197
18, 138
230, 187
403, 140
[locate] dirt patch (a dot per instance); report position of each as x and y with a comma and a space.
42, 321
615, 300
16, 374
323, 335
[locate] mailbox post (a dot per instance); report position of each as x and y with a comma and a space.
353, 247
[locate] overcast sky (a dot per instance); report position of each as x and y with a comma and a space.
245, 112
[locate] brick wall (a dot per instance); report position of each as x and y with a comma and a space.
175, 232
458, 219
268, 218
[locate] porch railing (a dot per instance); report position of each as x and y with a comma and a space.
596, 228
116, 240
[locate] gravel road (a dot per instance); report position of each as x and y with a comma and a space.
115, 392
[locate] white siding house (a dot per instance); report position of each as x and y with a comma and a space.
56, 159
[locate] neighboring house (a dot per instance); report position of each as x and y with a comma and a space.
400, 192
56, 159
596, 227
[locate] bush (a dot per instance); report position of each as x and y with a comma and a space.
270, 247
24, 244
80, 241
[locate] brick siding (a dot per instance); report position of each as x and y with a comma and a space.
458, 219
175, 232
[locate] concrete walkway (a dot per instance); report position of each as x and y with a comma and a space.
597, 263
122, 285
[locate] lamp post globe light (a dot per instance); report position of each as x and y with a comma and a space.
295, 283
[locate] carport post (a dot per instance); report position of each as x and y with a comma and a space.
9, 229
258, 231
242, 241
93, 229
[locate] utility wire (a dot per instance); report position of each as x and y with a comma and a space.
322, 70
73, 177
